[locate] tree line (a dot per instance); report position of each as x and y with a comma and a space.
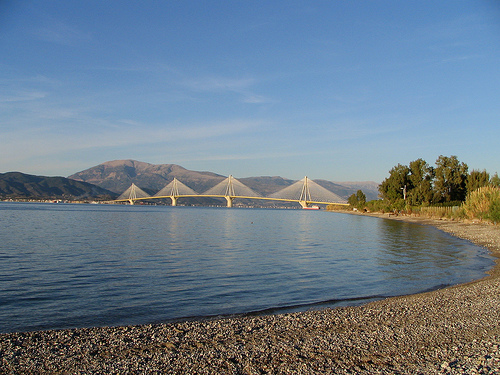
447, 183
418, 184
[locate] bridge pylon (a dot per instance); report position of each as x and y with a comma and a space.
231, 188
133, 193
229, 194
174, 190
305, 194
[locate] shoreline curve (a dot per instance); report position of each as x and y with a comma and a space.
449, 331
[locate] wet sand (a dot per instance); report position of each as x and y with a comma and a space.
450, 331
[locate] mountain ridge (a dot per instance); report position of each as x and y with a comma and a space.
22, 185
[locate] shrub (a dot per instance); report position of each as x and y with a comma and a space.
484, 204
338, 207
494, 211
379, 206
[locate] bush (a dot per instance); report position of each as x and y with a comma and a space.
494, 211
338, 207
379, 206
484, 204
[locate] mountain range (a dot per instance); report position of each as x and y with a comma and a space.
118, 175
21, 185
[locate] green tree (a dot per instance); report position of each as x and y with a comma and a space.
353, 200
495, 180
421, 176
361, 197
357, 200
450, 179
477, 179
398, 182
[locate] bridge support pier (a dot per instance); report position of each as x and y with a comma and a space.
303, 204
174, 200
131, 201
229, 201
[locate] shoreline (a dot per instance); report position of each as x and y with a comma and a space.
453, 330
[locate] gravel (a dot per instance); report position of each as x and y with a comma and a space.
448, 331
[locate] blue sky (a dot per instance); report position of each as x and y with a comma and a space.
336, 90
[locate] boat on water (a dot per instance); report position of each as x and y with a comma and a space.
313, 207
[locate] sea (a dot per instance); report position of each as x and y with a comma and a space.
86, 265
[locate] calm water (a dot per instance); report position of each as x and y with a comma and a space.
65, 266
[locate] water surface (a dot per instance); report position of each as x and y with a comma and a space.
64, 266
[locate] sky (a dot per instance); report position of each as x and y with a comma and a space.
335, 90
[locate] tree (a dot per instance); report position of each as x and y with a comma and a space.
421, 176
353, 200
495, 180
361, 197
357, 200
477, 179
393, 187
450, 179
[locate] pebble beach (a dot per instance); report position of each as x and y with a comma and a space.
455, 330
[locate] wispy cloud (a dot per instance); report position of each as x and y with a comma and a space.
459, 58
22, 96
219, 85
55, 31
93, 134
257, 155
140, 66
255, 99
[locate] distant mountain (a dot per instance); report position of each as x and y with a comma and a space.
266, 185
20, 185
370, 188
118, 175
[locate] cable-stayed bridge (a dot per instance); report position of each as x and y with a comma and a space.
306, 192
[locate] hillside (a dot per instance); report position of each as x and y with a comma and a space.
20, 185
118, 175
370, 188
